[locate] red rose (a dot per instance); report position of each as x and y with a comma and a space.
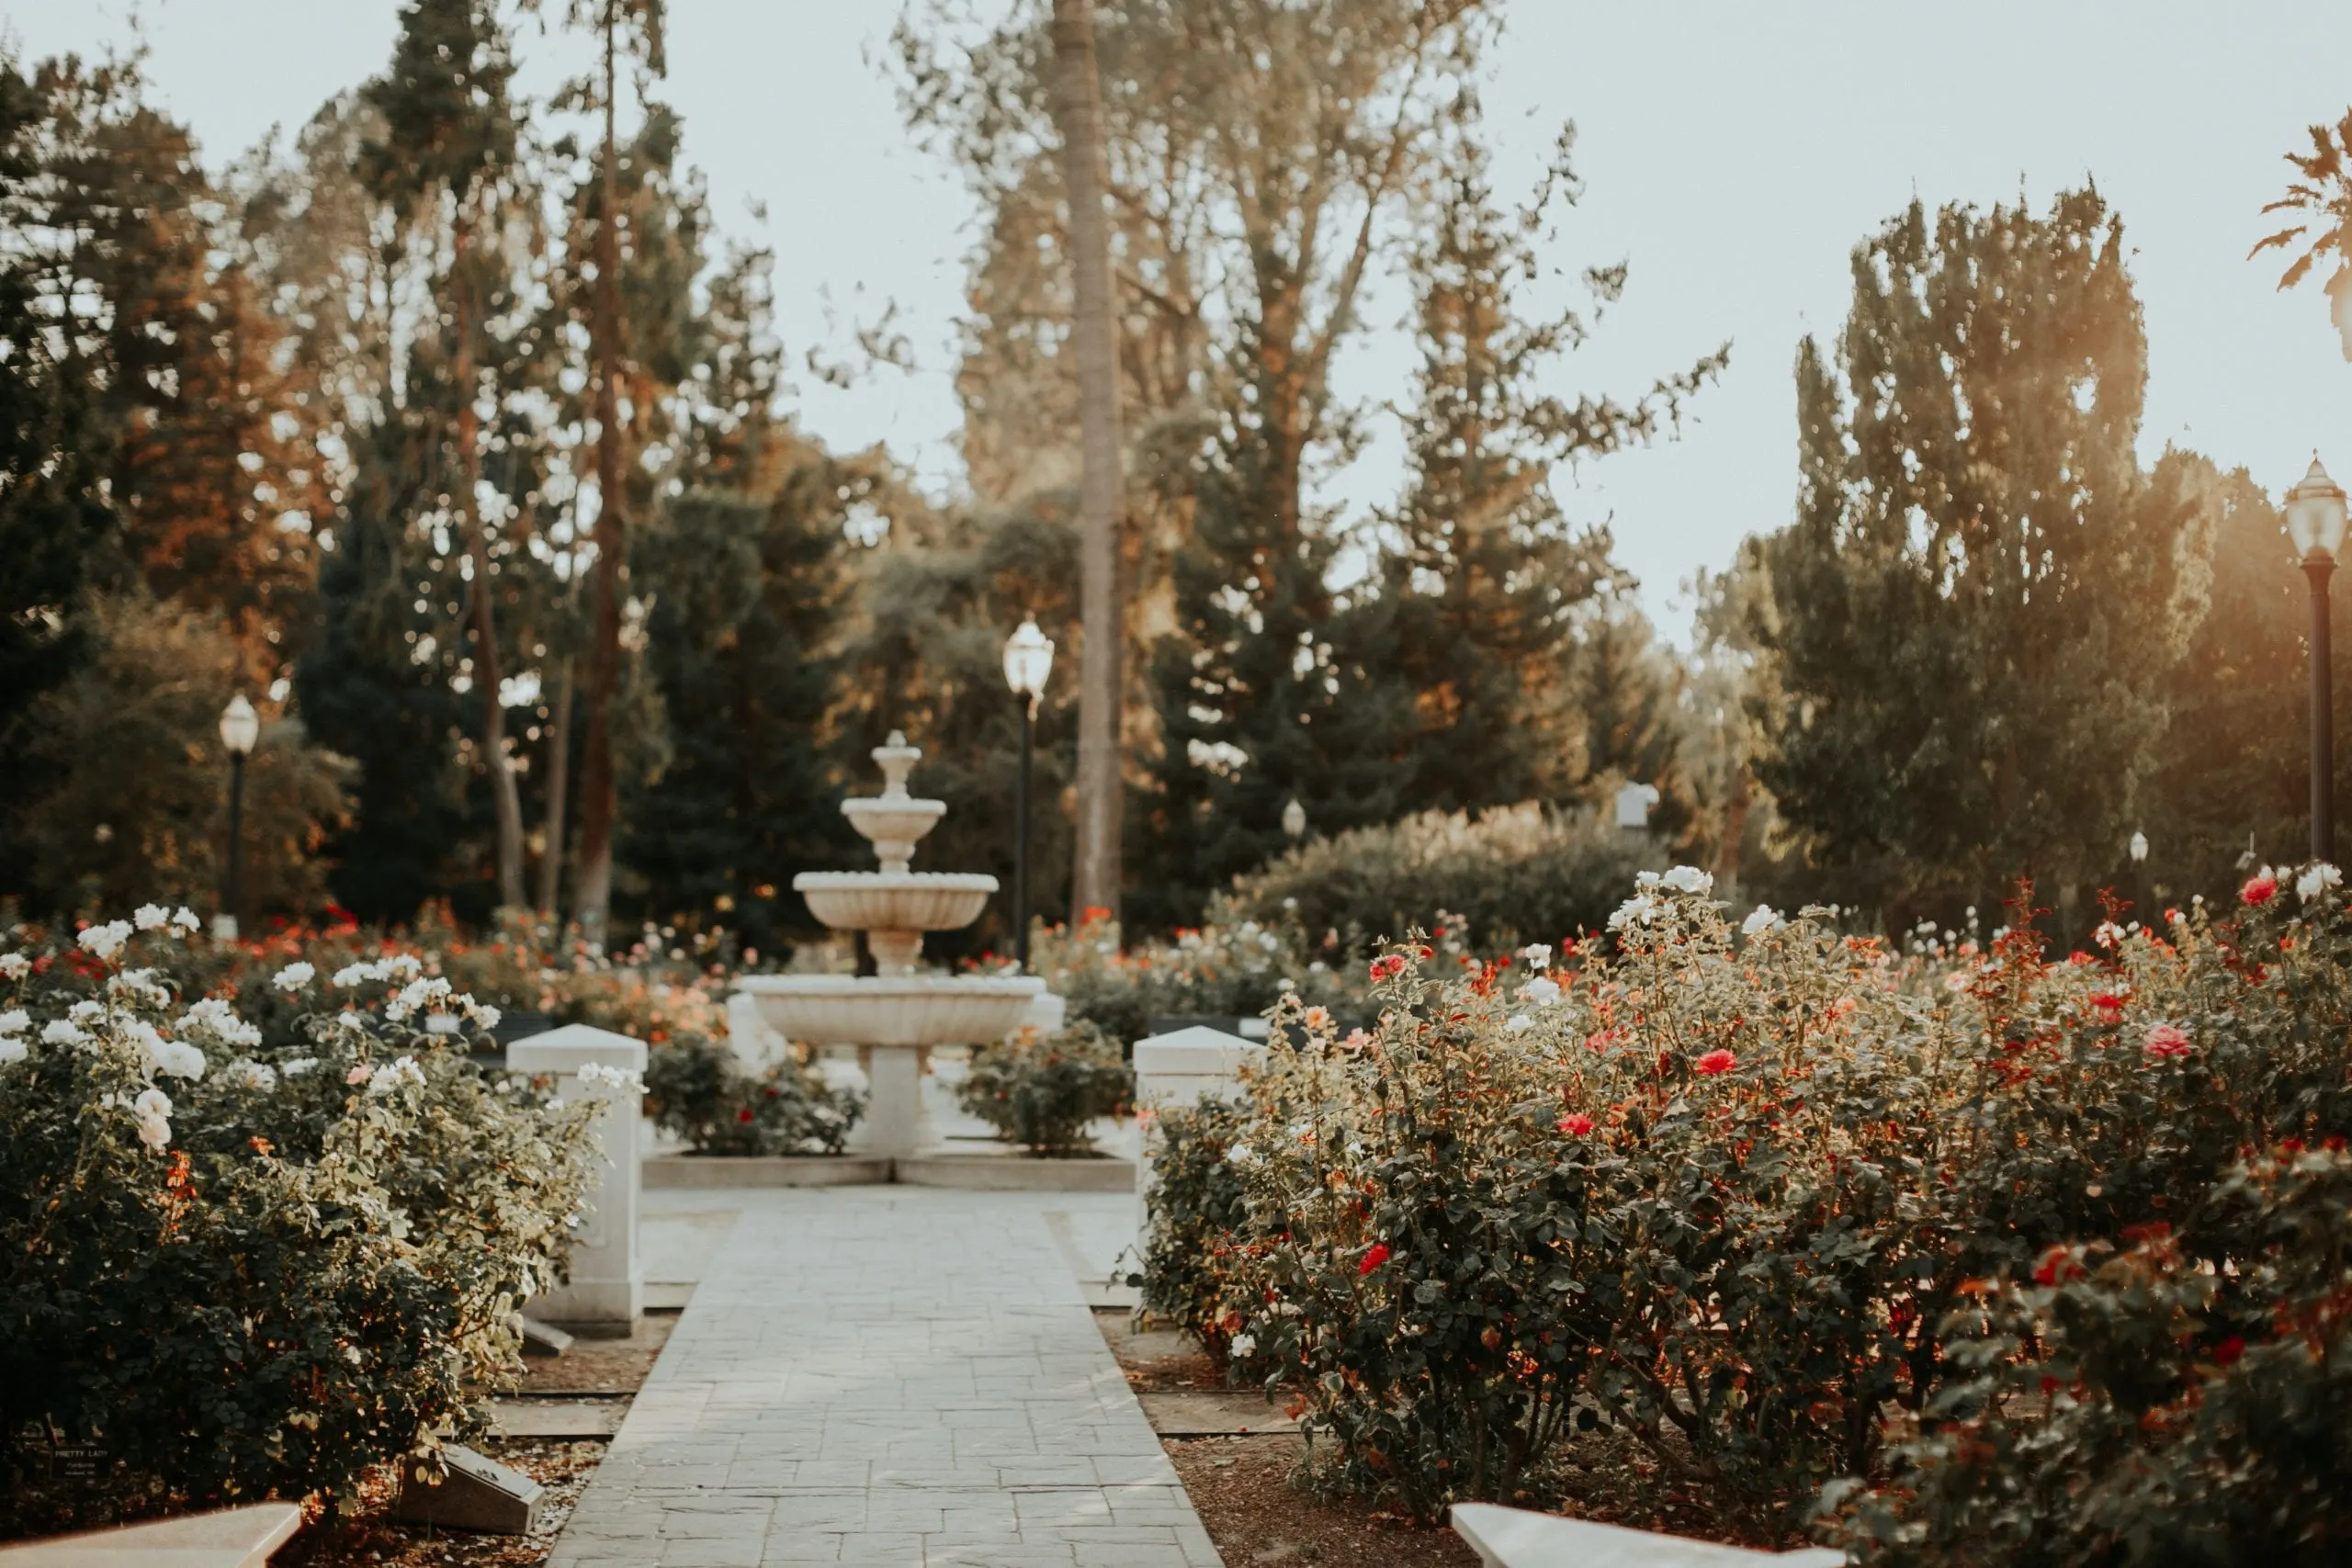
744, 1114
1716, 1062
2108, 1002
2167, 1040
2057, 1264
2258, 890
1576, 1125
1373, 1259
1387, 968
2227, 1352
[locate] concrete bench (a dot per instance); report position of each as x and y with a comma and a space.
1517, 1537
232, 1537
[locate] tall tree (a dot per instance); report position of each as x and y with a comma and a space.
1483, 585
1981, 589
1078, 103
54, 516
449, 138
632, 27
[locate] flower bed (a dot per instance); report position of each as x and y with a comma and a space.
1041, 1092
239, 1260
1783, 1208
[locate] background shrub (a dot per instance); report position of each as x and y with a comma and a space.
1041, 1092
1515, 875
697, 1090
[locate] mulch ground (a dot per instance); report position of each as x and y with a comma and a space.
609, 1368
1249, 1491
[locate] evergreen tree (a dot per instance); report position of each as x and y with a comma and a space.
53, 516
1483, 585
2232, 778
1980, 591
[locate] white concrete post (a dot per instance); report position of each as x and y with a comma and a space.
1173, 1071
607, 1289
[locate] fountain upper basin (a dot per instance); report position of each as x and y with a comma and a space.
895, 901
901, 1009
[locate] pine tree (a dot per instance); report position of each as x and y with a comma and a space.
1479, 600
53, 516
1980, 590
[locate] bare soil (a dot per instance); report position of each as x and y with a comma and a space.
1249, 1489
605, 1368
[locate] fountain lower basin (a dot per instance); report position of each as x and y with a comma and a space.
893, 1009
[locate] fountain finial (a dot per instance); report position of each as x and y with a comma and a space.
897, 760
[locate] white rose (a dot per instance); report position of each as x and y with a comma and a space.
1520, 1023
1538, 954
184, 919
178, 1059
152, 1102
15, 965
1688, 879
16, 1020
293, 977
1243, 1345
105, 941
1542, 991
12, 1050
62, 1031
1759, 920
2317, 882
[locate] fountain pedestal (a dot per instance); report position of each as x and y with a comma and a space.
895, 1015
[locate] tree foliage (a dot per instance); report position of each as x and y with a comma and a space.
1982, 588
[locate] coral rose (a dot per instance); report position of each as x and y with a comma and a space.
1716, 1062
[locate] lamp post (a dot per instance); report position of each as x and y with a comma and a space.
2139, 848
1028, 660
240, 728
2316, 518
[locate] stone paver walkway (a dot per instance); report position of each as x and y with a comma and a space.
887, 1376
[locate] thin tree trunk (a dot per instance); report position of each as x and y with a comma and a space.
503, 792
1735, 832
598, 792
1078, 105
558, 784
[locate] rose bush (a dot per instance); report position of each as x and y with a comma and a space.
241, 1263
1717, 1191
1041, 1091
697, 1090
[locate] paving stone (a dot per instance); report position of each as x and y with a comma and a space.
887, 1376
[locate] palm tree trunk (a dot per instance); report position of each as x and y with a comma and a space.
503, 792
598, 792
1078, 108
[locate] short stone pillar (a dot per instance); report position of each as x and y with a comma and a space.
607, 1290
1174, 1070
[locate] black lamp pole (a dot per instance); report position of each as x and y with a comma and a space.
2319, 569
236, 898
1021, 835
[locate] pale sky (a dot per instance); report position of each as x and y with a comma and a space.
1734, 155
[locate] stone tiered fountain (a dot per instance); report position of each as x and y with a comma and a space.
899, 1011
